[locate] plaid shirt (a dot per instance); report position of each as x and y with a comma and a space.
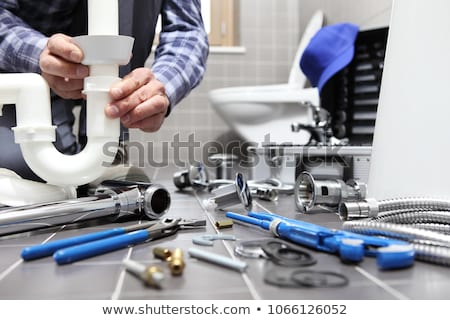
180, 58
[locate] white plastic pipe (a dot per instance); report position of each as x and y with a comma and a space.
103, 17
411, 147
35, 132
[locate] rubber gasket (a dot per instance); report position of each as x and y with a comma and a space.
319, 279
301, 278
280, 277
285, 254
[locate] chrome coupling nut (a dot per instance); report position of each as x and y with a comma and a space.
367, 208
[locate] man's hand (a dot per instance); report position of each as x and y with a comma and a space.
60, 63
139, 100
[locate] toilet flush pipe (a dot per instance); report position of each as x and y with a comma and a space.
35, 132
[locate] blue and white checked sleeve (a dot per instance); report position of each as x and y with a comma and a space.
180, 57
20, 45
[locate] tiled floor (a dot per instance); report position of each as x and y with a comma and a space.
103, 277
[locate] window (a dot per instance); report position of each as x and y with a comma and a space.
224, 22
221, 19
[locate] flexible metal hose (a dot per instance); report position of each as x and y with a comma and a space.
371, 208
432, 253
435, 248
424, 222
395, 231
414, 204
436, 227
419, 216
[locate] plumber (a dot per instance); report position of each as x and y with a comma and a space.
36, 36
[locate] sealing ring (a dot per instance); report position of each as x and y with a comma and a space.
285, 254
318, 279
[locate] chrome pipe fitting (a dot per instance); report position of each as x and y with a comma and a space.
224, 165
233, 194
265, 193
367, 208
196, 177
310, 192
272, 183
156, 201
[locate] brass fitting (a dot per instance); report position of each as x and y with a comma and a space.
226, 223
176, 262
153, 276
162, 253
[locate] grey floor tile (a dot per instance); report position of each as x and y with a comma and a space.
103, 276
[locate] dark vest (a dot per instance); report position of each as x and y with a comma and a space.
137, 18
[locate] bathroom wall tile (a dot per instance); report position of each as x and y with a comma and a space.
366, 13
270, 32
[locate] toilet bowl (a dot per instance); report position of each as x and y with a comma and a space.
265, 114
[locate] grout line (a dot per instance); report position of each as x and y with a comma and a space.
382, 284
247, 281
262, 207
11, 268
5, 273
372, 278
121, 280
52, 235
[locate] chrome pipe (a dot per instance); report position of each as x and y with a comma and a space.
152, 201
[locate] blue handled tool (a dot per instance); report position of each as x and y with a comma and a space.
76, 248
49, 248
390, 254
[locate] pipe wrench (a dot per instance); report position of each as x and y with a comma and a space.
352, 247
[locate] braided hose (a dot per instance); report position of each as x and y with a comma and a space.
435, 249
414, 204
371, 208
436, 227
395, 231
424, 222
432, 253
401, 216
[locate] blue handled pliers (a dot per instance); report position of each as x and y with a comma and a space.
85, 246
390, 253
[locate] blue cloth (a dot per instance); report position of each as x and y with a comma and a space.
330, 50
